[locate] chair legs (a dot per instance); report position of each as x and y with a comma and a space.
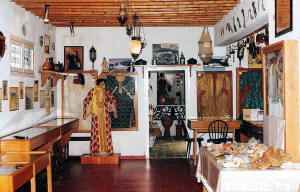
188, 148
199, 144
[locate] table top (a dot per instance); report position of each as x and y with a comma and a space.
212, 119
19, 158
219, 179
27, 133
56, 122
9, 169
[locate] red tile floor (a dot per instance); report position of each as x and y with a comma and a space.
174, 175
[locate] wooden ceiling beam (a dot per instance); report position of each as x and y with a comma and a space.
146, 24
138, 13
205, 2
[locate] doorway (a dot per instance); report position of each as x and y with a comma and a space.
167, 109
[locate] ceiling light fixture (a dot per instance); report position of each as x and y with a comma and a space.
46, 19
122, 15
72, 29
134, 31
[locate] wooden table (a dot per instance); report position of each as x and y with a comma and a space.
11, 177
200, 125
36, 161
216, 178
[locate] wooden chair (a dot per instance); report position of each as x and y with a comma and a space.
218, 131
189, 140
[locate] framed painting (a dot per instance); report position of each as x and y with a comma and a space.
73, 57
5, 90
283, 17
165, 53
124, 87
0, 99
21, 89
42, 98
52, 98
13, 98
47, 44
36, 90
116, 65
28, 98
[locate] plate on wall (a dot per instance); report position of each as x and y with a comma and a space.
24, 30
53, 46
41, 40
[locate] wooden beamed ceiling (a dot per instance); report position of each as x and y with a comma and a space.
104, 13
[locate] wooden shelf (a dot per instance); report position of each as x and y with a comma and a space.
60, 75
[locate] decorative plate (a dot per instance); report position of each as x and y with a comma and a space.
24, 29
53, 46
2, 44
41, 41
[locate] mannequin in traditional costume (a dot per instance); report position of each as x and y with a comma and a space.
97, 100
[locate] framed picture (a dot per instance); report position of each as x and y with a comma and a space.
0, 99
52, 97
116, 65
165, 53
283, 17
73, 57
28, 98
42, 98
13, 98
47, 44
21, 89
124, 87
5, 90
36, 90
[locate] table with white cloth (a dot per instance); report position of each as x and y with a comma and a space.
216, 178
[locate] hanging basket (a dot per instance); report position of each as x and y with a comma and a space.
205, 46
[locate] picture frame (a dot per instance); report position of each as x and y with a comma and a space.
42, 98
283, 17
73, 57
21, 89
13, 98
36, 90
5, 90
165, 53
127, 100
28, 98
0, 99
46, 44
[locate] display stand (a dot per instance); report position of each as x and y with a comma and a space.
281, 90
100, 159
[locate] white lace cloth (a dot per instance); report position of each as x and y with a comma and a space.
249, 179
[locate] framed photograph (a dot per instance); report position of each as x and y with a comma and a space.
5, 90
283, 17
73, 57
13, 98
28, 98
52, 98
36, 90
42, 98
21, 89
0, 99
47, 44
124, 87
165, 53
116, 65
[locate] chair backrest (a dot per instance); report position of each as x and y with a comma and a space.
218, 130
185, 132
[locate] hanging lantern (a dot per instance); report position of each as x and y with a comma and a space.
122, 15
46, 19
135, 47
205, 46
93, 55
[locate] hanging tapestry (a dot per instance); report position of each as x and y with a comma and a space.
214, 94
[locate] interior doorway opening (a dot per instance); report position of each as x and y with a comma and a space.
167, 110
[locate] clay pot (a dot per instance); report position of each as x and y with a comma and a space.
178, 129
167, 122
47, 65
